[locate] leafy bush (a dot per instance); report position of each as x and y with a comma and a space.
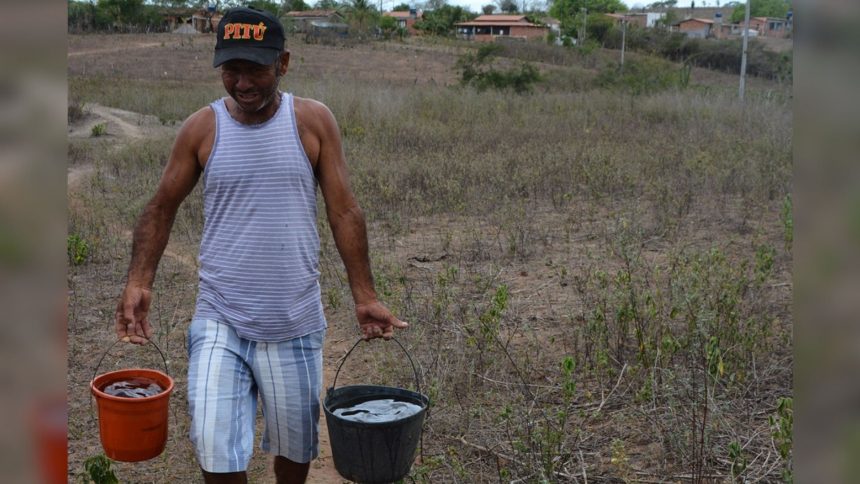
718, 54
115, 16
99, 471
475, 71
598, 26
441, 21
98, 129
639, 76
77, 249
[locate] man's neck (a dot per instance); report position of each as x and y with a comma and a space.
264, 114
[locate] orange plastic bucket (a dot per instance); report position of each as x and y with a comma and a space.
132, 429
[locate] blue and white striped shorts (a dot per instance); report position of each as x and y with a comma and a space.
225, 374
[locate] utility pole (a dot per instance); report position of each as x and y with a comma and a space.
744, 52
623, 40
584, 25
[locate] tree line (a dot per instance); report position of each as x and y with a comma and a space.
152, 15
439, 17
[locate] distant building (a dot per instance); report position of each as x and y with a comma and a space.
323, 32
406, 20
301, 21
486, 28
770, 26
188, 20
699, 28
205, 22
759, 27
684, 13
642, 20
553, 24
705, 22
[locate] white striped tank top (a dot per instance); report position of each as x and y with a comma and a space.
259, 257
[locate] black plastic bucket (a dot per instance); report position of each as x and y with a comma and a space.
373, 453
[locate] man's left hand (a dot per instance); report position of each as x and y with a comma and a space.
376, 321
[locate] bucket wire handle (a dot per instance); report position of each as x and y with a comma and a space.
343, 360
99, 364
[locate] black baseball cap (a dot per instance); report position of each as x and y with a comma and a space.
250, 34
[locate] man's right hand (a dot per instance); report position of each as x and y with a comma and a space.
131, 314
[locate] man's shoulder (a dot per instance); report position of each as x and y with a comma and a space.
312, 113
309, 106
203, 117
200, 124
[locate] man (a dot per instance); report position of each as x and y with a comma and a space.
259, 324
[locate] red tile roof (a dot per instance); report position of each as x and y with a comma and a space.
702, 20
498, 24
398, 14
501, 18
311, 13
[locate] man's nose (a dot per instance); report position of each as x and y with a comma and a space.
244, 82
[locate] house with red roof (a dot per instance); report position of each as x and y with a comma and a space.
406, 19
487, 28
700, 28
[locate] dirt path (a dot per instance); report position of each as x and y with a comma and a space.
139, 45
125, 125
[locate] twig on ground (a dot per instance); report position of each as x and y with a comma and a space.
606, 398
496, 454
582, 464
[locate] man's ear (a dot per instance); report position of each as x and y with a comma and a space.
285, 62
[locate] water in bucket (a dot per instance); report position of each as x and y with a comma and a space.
133, 388
378, 411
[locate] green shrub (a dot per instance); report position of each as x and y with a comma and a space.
98, 471
77, 249
99, 129
717, 54
639, 76
476, 71
787, 219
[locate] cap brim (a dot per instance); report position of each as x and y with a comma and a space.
260, 55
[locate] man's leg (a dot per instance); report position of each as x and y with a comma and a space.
225, 477
289, 377
222, 401
289, 472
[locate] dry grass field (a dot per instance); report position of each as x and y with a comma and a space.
597, 280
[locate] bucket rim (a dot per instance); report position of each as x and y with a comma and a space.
334, 392
100, 394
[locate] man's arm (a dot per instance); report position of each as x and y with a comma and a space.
346, 221
153, 227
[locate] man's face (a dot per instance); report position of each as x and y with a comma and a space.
253, 86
